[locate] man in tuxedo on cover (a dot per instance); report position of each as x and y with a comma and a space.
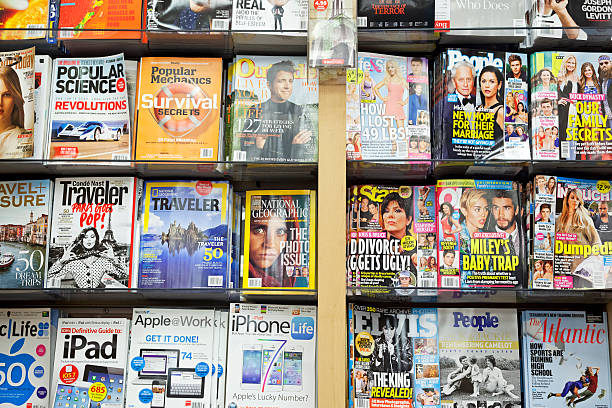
463, 75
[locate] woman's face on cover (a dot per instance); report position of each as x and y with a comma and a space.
265, 241
373, 209
476, 215
509, 99
489, 363
555, 131
588, 72
414, 143
391, 69
89, 240
570, 64
545, 76
520, 107
445, 209
432, 262
548, 268
422, 145
573, 201
551, 183
7, 101
541, 183
394, 218
519, 131
489, 85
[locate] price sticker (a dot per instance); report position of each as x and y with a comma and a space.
354, 75
603, 186
97, 392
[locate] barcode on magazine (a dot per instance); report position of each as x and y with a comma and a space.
120, 156
303, 24
450, 281
54, 282
215, 281
255, 282
34, 30
196, 404
362, 21
65, 32
362, 403
239, 155
206, 153
564, 150
219, 24
427, 283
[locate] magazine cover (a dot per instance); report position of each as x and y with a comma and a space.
24, 212
170, 361
113, 15
395, 357
275, 111
480, 365
572, 233
188, 15
179, 108
89, 116
392, 236
43, 68
482, 105
570, 105
332, 34
17, 113
184, 236
131, 79
270, 15
90, 360
566, 359
20, 20
91, 232
570, 20
25, 357
279, 239
273, 358
222, 357
399, 14
481, 234
394, 108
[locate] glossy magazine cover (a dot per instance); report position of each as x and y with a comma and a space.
28, 17
399, 14
188, 15
121, 18
270, 15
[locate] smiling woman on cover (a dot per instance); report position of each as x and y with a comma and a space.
88, 262
11, 113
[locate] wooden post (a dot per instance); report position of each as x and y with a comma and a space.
331, 242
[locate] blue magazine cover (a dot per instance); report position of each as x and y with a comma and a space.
566, 359
184, 237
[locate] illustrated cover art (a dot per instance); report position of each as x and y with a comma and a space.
482, 105
396, 14
395, 359
25, 357
481, 234
270, 367
179, 103
30, 18
480, 364
170, 361
270, 15
572, 233
17, 114
570, 109
90, 245
393, 114
279, 239
392, 236
89, 116
275, 110
24, 218
90, 361
566, 359
188, 15
76, 15
184, 238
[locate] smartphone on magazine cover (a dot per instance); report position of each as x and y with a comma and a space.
251, 366
292, 368
159, 394
272, 369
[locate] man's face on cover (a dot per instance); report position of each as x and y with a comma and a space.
545, 214
509, 129
515, 66
265, 241
464, 81
504, 213
605, 67
547, 109
603, 209
417, 66
449, 259
282, 87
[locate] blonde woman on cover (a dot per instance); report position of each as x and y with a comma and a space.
12, 115
394, 101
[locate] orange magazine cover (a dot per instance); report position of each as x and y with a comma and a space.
179, 102
98, 14
28, 16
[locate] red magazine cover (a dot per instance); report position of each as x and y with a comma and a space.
112, 15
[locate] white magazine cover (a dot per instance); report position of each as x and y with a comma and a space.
272, 356
89, 112
90, 245
170, 358
213, 383
43, 68
89, 367
17, 113
274, 15
222, 359
25, 362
